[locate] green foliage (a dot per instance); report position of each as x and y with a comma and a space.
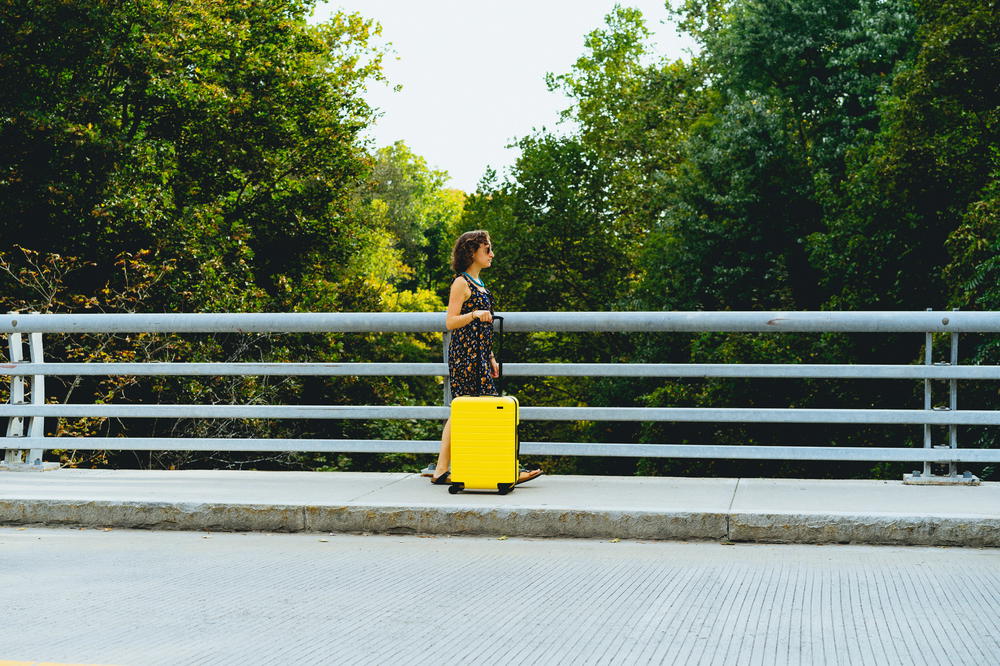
631, 110
198, 156
933, 154
555, 243
732, 234
825, 62
223, 136
206, 156
796, 163
974, 271
406, 197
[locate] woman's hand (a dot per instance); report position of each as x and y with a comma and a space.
494, 368
483, 315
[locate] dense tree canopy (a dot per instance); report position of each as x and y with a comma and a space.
222, 136
196, 156
812, 156
202, 155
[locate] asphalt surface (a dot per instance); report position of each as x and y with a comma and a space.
139, 597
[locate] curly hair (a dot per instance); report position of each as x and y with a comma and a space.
465, 247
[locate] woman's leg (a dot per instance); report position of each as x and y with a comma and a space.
444, 455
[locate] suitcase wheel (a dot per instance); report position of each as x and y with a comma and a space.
456, 488
504, 488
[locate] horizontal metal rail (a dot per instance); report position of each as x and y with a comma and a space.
924, 322
935, 455
678, 414
734, 370
514, 322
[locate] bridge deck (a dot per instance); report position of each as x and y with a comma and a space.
768, 510
147, 598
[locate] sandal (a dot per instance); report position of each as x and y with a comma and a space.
442, 480
534, 474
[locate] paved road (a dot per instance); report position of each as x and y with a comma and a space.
140, 597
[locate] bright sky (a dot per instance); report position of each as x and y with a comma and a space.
473, 71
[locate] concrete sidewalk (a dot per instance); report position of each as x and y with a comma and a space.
763, 510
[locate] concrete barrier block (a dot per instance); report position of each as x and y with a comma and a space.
976, 531
529, 522
153, 515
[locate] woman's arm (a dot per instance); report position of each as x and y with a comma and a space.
460, 292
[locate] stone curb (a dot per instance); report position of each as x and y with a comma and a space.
884, 529
889, 529
153, 515
527, 522
454, 520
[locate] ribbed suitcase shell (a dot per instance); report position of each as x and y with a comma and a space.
484, 442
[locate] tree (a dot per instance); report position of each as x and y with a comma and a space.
632, 111
410, 200
931, 160
197, 156
557, 245
825, 63
223, 136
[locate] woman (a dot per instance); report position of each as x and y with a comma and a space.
471, 364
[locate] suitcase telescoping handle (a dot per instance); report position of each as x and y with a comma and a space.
499, 354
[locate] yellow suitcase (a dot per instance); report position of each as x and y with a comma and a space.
484, 443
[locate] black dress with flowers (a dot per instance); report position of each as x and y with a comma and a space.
470, 347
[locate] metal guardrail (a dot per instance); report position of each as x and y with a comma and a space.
515, 322
30, 375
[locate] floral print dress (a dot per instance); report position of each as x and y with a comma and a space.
470, 347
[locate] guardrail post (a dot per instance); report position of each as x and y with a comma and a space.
36, 424
15, 426
953, 404
927, 476
20, 459
928, 402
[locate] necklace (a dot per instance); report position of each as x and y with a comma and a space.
478, 283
